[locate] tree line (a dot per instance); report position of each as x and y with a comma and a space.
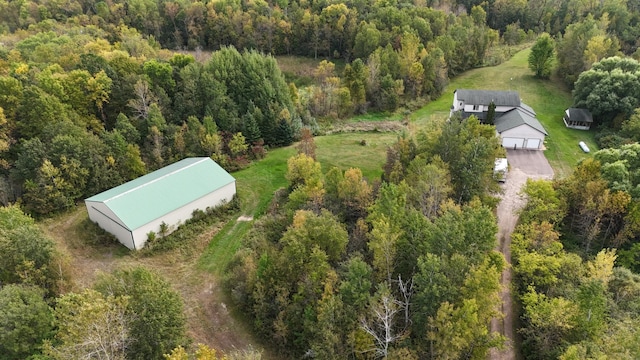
343, 29
86, 105
130, 313
76, 84
74, 126
575, 263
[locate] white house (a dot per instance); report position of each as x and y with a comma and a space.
515, 122
168, 195
476, 102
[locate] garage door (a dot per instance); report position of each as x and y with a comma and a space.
533, 143
512, 143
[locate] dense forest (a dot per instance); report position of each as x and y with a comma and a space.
93, 94
403, 269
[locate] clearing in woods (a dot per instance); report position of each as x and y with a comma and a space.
209, 320
195, 270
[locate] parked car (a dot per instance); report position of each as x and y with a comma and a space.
583, 146
500, 169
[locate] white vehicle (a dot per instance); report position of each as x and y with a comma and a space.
500, 169
583, 146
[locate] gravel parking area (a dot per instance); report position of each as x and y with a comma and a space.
531, 162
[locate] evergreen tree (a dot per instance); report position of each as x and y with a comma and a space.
491, 114
250, 130
283, 134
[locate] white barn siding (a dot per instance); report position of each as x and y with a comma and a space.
107, 220
180, 215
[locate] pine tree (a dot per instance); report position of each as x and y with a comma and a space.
491, 114
250, 129
283, 134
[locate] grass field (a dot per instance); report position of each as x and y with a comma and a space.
257, 184
549, 98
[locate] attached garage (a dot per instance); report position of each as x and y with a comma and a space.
519, 129
166, 196
512, 143
533, 144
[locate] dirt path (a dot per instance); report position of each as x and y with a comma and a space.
507, 213
208, 319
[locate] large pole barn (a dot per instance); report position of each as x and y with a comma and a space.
166, 196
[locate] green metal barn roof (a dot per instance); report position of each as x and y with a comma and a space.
151, 196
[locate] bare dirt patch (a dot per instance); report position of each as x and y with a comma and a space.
208, 320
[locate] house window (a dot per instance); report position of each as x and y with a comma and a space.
476, 107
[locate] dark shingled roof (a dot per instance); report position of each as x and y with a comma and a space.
485, 97
576, 114
515, 118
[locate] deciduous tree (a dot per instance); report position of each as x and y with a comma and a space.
609, 89
154, 310
90, 325
542, 56
25, 321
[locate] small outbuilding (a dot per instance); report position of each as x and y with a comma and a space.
576, 118
160, 201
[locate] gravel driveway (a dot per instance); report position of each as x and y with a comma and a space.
524, 164
532, 162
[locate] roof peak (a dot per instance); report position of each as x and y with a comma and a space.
147, 183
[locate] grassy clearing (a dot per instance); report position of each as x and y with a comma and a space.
345, 151
549, 98
298, 70
257, 184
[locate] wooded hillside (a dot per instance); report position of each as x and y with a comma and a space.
93, 94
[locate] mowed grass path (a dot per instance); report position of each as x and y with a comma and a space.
549, 98
257, 184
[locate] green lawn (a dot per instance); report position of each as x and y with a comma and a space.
345, 151
257, 183
549, 98
255, 186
